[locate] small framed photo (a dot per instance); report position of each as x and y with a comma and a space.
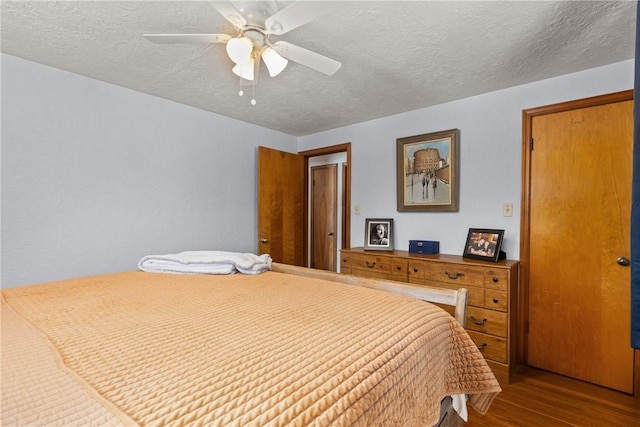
378, 234
484, 244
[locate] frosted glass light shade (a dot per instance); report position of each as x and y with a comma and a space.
239, 50
244, 71
274, 62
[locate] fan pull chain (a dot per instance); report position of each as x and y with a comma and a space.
240, 92
253, 93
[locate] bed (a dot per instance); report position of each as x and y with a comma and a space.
289, 346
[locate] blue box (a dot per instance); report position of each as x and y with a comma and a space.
428, 247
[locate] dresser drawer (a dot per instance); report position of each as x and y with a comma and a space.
487, 321
460, 275
399, 269
370, 263
345, 264
415, 272
496, 300
496, 279
346, 260
492, 347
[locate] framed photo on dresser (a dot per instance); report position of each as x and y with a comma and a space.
378, 234
484, 244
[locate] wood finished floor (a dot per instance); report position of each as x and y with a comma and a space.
540, 398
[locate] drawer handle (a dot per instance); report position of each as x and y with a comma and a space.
370, 265
344, 260
478, 322
495, 300
482, 346
454, 275
415, 269
398, 267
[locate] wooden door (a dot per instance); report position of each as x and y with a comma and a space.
324, 216
281, 205
579, 227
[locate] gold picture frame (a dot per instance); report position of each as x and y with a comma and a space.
427, 172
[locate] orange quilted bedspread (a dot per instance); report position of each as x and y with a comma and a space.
265, 350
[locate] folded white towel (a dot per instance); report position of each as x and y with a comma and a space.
206, 262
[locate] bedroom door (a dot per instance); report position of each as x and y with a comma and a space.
324, 216
281, 205
578, 242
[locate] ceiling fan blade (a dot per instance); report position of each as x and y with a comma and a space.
188, 38
230, 13
299, 13
307, 58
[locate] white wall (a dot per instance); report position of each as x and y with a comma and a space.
95, 176
490, 157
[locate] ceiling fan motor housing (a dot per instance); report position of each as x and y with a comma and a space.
256, 12
257, 37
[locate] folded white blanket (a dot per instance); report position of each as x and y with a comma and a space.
206, 262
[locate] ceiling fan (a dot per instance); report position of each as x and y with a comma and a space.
255, 22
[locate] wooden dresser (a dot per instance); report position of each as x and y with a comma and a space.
493, 287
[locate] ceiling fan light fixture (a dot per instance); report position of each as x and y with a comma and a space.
239, 49
274, 62
245, 70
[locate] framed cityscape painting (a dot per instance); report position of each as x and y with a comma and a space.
427, 172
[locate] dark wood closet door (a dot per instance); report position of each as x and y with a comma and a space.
324, 217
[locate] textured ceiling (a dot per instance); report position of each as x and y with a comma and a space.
396, 56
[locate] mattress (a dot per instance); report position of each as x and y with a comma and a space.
273, 349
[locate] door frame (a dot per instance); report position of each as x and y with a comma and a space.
346, 206
527, 147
